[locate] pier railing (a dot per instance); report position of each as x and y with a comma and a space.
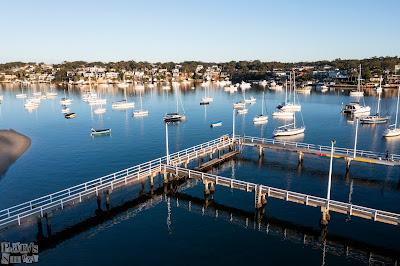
287, 195
323, 149
63, 197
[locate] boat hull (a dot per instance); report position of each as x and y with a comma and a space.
289, 132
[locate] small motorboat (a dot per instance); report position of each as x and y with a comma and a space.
216, 124
106, 131
70, 115
354, 108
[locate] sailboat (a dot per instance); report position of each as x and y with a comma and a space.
100, 110
358, 92
65, 100
393, 130
289, 129
175, 117
251, 100
89, 95
141, 112
21, 95
206, 99
123, 104
51, 93
261, 119
290, 106
123, 84
239, 105
284, 113
377, 118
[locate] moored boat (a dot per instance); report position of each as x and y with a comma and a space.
70, 115
216, 124
174, 117
106, 131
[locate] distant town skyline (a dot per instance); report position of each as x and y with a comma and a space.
208, 31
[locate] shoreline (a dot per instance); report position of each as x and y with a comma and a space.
12, 146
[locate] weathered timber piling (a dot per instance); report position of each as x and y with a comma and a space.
325, 216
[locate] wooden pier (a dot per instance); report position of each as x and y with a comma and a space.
216, 161
176, 166
361, 156
287, 231
262, 192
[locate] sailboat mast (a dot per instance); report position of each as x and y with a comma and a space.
90, 85
359, 80
285, 92
141, 101
290, 84
379, 97
294, 87
177, 105
294, 119
397, 106
262, 105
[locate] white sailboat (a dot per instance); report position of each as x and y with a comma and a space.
89, 95
377, 118
65, 100
21, 95
289, 129
239, 105
290, 106
175, 117
206, 99
261, 119
123, 104
251, 100
100, 109
358, 92
393, 130
123, 84
51, 93
141, 112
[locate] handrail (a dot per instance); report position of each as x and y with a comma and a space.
375, 213
349, 151
58, 198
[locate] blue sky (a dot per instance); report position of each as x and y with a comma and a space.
173, 30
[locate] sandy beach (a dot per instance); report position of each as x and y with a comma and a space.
12, 146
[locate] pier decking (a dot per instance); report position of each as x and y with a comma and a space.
347, 154
223, 148
261, 192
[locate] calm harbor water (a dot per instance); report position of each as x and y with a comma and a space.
64, 154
